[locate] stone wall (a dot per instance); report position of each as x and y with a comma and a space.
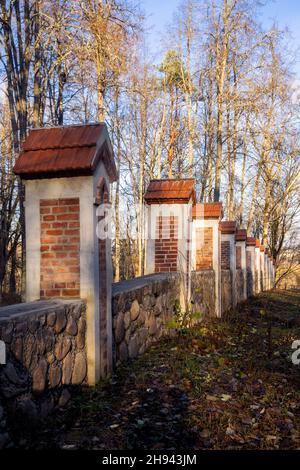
203, 292
45, 356
239, 279
226, 289
250, 283
142, 309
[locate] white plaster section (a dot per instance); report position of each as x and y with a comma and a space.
183, 212
242, 245
231, 239
150, 241
262, 270
214, 224
83, 188
257, 268
266, 271
101, 171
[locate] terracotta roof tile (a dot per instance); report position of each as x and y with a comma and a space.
228, 227
65, 151
241, 235
170, 191
251, 241
257, 243
212, 210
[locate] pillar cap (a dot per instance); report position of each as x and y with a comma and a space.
241, 235
66, 151
251, 241
227, 227
208, 210
170, 191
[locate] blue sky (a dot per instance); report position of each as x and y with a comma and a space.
286, 13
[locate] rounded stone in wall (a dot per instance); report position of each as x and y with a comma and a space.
51, 319
133, 346
152, 326
67, 369
134, 310
21, 328
7, 333
80, 369
77, 311
62, 348
71, 327
29, 352
39, 377
17, 348
49, 339
119, 329
54, 375
142, 316
80, 339
33, 325
61, 321
127, 320
40, 343
64, 397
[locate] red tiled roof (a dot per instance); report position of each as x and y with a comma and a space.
228, 227
170, 191
65, 151
257, 243
211, 210
241, 235
251, 241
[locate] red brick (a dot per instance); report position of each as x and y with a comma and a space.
48, 218
71, 292
49, 202
69, 202
60, 268
68, 216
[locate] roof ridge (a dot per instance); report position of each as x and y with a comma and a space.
66, 126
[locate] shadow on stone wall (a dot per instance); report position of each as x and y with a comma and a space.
45, 348
142, 309
203, 292
226, 289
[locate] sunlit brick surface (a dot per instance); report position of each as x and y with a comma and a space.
60, 245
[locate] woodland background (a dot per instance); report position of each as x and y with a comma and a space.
221, 106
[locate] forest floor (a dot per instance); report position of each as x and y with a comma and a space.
227, 384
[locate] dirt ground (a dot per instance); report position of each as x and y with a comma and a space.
227, 384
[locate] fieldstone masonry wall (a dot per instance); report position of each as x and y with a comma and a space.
203, 292
226, 289
239, 285
142, 309
45, 356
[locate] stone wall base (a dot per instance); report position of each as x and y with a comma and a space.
45, 357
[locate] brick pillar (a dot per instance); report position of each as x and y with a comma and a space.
65, 170
257, 267
206, 243
250, 261
168, 229
228, 253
